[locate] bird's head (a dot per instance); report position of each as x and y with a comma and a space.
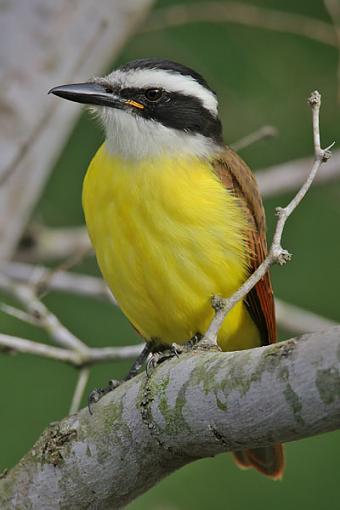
151, 107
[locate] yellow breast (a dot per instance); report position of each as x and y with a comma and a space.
168, 236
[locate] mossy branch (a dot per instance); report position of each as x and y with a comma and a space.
199, 405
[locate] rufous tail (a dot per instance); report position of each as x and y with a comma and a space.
268, 460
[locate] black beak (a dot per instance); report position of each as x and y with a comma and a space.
89, 93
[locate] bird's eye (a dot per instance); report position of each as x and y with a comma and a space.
153, 94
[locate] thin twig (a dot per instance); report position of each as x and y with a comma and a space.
47, 320
243, 14
76, 353
69, 263
83, 377
12, 344
62, 281
44, 243
104, 354
288, 176
18, 314
276, 253
260, 134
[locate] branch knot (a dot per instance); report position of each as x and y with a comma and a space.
314, 99
280, 255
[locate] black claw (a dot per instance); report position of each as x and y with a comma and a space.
150, 365
98, 393
93, 398
157, 357
175, 350
113, 384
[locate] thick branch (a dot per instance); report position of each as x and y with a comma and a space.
196, 406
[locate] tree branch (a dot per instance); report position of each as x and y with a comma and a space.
279, 179
243, 14
299, 321
34, 128
42, 315
196, 406
79, 390
44, 243
260, 134
91, 356
43, 279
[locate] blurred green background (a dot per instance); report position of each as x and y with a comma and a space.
261, 77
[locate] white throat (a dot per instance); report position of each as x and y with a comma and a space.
132, 137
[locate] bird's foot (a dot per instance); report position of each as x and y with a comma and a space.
158, 356
98, 393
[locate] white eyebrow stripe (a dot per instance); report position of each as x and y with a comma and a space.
167, 80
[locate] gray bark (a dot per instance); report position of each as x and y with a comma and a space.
45, 43
199, 405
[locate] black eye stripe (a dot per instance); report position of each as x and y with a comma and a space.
131, 92
176, 110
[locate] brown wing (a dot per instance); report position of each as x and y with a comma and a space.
237, 176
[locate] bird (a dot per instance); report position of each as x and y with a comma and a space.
174, 214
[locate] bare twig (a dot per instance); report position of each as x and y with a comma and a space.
289, 176
276, 253
19, 314
76, 352
243, 14
63, 281
14, 344
83, 377
11, 344
47, 320
44, 243
260, 134
105, 354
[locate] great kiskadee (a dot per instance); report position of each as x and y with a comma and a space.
174, 215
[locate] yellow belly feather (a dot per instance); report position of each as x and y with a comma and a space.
168, 236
